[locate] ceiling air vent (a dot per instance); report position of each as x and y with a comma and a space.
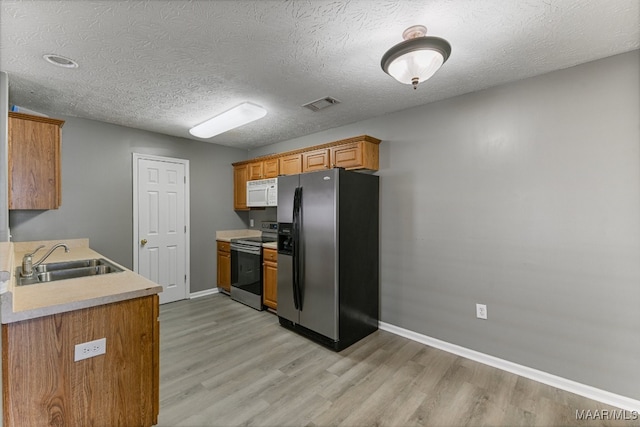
321, 104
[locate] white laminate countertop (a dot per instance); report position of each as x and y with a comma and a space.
43, 299
227, 235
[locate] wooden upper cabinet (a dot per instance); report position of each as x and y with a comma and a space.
34, 162
291, 164
240, 177
270, 168
255, 171
263, 169
356, 155
360, 152
316, 160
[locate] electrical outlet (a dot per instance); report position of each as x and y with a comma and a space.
481, 311
90, 349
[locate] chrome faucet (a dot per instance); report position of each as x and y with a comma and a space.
27, 260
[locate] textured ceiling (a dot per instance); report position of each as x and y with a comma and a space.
166, 66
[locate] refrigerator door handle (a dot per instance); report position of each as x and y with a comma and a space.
300, 257
295, 252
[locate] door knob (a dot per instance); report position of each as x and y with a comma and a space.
143, 242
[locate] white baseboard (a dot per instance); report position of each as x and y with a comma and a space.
590, 392
203, 293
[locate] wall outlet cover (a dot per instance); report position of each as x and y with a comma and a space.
481, 311
90, 349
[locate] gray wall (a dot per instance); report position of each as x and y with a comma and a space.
97, 193
524, 197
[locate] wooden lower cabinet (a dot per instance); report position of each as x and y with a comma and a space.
44, 386
224, 265
270, 278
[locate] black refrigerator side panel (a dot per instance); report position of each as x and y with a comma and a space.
359, 283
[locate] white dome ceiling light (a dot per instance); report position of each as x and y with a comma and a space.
417, 58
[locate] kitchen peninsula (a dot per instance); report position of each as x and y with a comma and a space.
45, 381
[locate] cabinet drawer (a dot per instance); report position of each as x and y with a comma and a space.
270, 255
224, 246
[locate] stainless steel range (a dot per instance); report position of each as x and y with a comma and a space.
246, 265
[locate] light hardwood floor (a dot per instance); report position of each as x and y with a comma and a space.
225, 364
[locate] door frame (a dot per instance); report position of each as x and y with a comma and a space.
187, 208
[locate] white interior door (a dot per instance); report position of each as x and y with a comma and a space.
161, 253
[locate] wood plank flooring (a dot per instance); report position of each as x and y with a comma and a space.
225, 364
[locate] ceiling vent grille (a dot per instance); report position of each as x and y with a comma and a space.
321, 104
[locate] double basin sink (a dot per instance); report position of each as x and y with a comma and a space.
67, 270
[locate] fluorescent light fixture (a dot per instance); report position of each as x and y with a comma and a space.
230, 119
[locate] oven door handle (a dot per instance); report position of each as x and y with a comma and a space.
253, 250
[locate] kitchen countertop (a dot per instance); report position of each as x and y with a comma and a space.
6, 260
43, 299
227, 235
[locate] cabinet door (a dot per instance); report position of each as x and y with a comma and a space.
291, 165
120, 387
224, 266
34, 162
315, 160
270, 168
348, 156
255, 171
224, 271
270, 285
240, 176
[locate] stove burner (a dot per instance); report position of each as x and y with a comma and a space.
254, 241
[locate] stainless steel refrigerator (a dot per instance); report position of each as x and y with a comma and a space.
328, 271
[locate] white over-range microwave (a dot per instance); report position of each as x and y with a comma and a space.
262, 192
